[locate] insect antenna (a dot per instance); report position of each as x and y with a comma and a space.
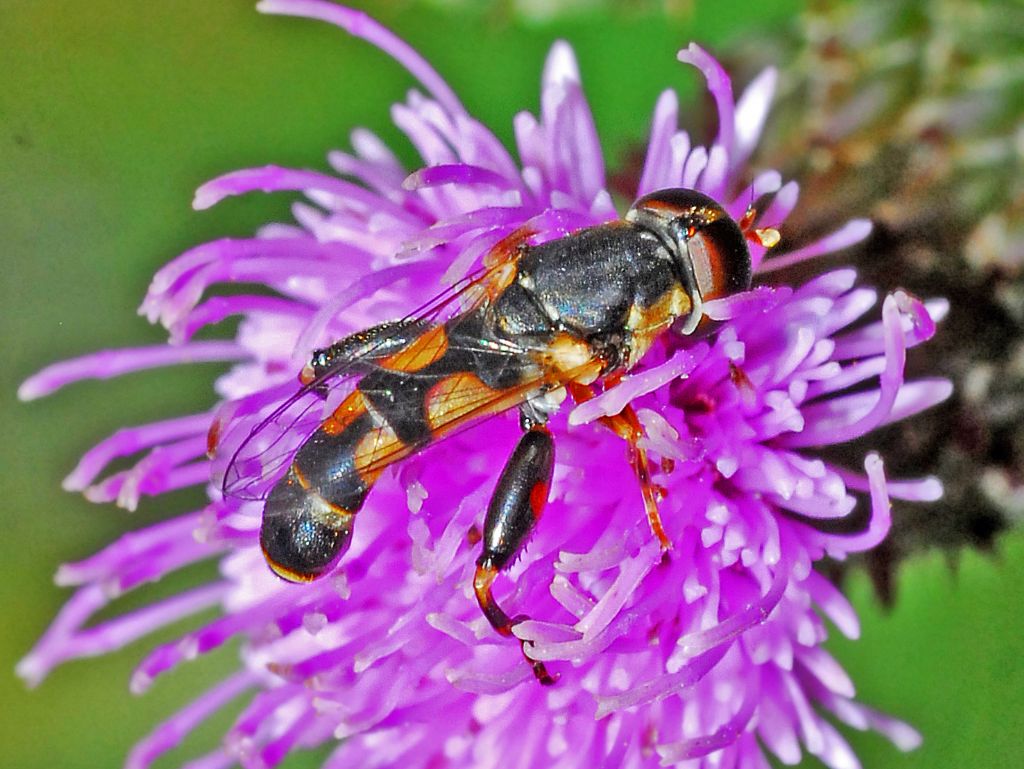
764, 236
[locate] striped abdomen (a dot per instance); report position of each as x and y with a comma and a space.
441, 379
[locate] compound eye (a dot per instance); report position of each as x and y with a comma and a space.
716, 247
720, 258
670, 204
302, 536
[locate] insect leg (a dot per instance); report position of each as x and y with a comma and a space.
626, 425
366, 346
513, 513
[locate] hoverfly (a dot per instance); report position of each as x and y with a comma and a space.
540, 321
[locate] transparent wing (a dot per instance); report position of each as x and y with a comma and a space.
260, 434
462, 400
259, 445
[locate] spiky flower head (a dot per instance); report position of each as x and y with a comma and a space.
707, 656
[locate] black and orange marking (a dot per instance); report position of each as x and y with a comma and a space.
512, 515
420, 353
345, 414
454, 398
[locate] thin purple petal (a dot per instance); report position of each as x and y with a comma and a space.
113, 363
361, 25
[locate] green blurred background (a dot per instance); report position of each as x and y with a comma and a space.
112, 113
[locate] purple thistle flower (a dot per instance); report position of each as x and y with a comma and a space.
708, 657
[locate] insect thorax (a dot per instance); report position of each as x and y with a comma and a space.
613, 287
